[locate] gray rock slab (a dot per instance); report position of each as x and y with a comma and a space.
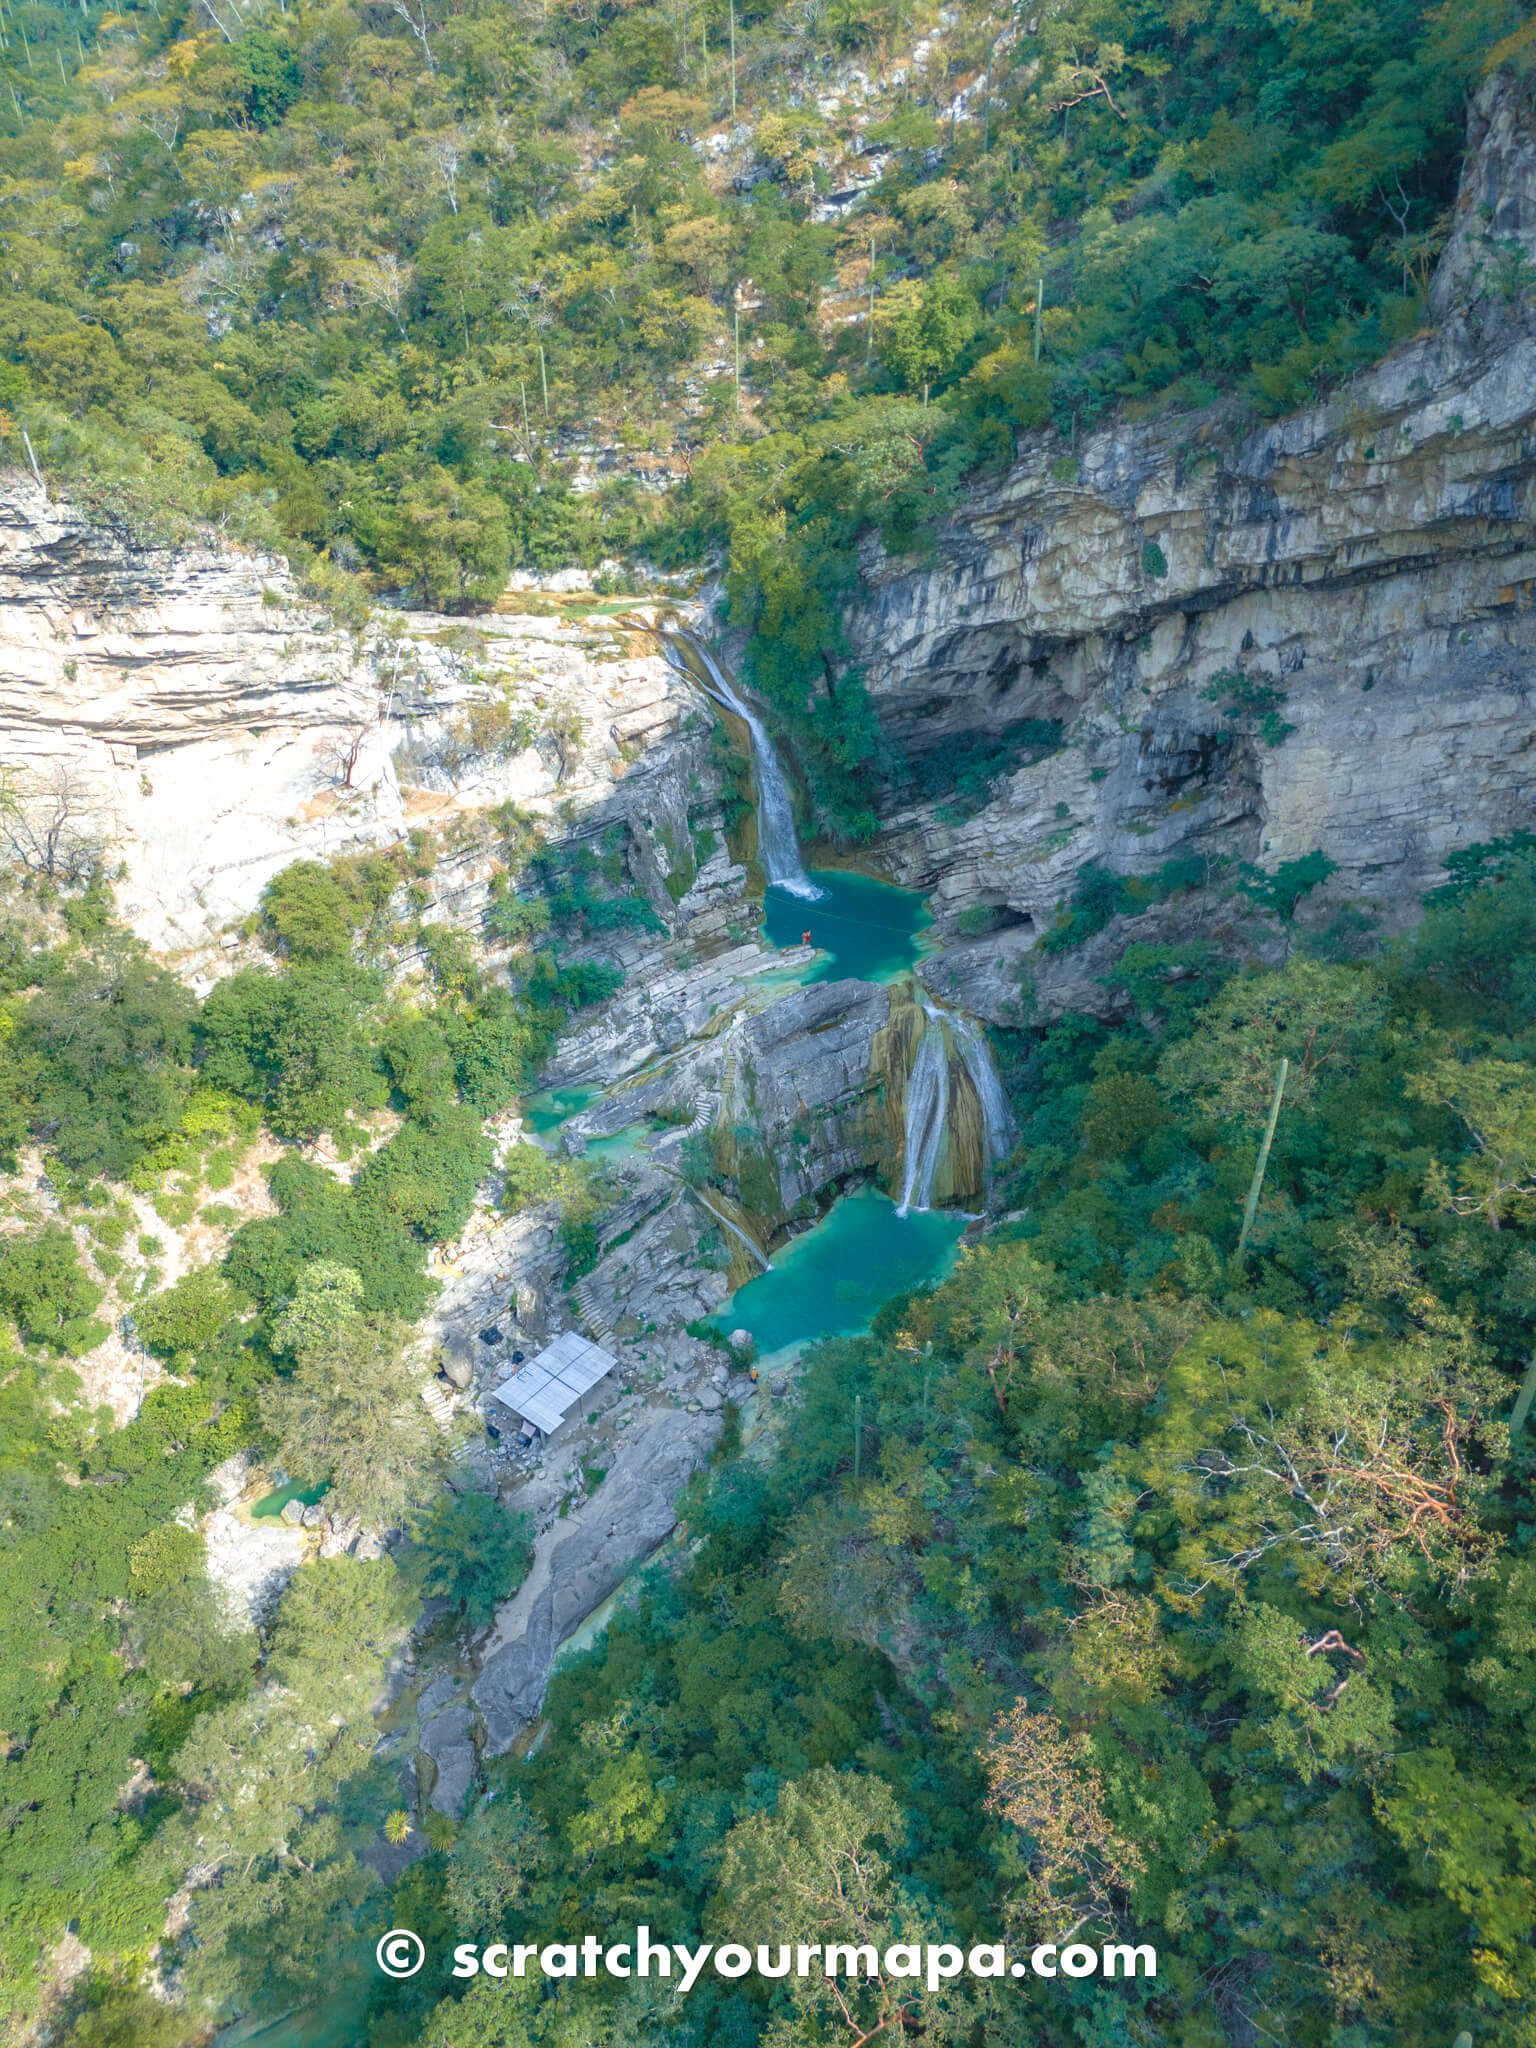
581, 1560
437, 1695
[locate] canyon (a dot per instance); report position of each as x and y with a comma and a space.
1248, 640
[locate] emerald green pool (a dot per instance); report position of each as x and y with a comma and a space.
619, 1145
869, 930
830, 1281
548, 1110
274, 1503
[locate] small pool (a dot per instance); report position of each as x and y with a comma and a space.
830, 1281
548, 1110
630, 1143
868, 930
274, 1503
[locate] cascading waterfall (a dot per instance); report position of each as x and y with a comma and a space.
927, 1116
716, 1209
955, 1120
996, 1117
776, 837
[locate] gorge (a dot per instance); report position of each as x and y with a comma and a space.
512, 982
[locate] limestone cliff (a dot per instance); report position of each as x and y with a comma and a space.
1256, 639
212, 723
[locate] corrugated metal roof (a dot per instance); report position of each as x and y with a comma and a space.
545, 1389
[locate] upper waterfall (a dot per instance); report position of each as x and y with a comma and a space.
777, 840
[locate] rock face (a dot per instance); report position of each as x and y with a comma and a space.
447, 1736
208, 723
808, 1085
1256, 641
580, 1560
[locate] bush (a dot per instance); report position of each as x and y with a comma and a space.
297, 1044
472, 1552
427, 1175
319, 1218
44, 1290
187, 1320
306, 913
109, 1041
530, 1176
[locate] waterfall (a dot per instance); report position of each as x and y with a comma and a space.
735, 1229
927, 1116
776, 837
939, 1128
996, 1117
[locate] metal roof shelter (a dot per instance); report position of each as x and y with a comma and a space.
544, 1390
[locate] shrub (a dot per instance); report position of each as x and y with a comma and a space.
44, 1290
188, 1319
427, 1174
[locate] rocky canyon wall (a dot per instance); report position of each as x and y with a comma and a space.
1318, 632
211, 723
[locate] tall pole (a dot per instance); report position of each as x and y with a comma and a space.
1251, 1206
1524, 1399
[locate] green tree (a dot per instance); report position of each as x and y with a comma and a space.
814, 1868
112, 1039
449, 539
44, 1290
1321, 1018
498, 1857
471, 1551
1283, 892
351, 1413
189, 1321
1495, 1102
925, 329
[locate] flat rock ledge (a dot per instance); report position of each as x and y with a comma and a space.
581, 1560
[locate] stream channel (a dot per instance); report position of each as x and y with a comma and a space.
830, 1279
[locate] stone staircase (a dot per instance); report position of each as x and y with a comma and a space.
710, 1102
729, 1064
438, 1402
706, 1107
585, 1297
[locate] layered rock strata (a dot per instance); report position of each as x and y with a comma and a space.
1257, 640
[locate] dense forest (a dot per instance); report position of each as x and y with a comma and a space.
1181, 1588
1165, 1573
417, 290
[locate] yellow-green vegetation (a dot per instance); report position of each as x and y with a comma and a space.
366, 283
1180, 1599
127, 1693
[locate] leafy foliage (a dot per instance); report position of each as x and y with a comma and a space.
1128, 205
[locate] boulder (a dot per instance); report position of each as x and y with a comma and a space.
447, 1738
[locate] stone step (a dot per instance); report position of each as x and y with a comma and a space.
438, 1403
706, 1108
592, 1315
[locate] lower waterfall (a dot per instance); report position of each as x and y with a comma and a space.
927, 1116
996, 1117
954, 1121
